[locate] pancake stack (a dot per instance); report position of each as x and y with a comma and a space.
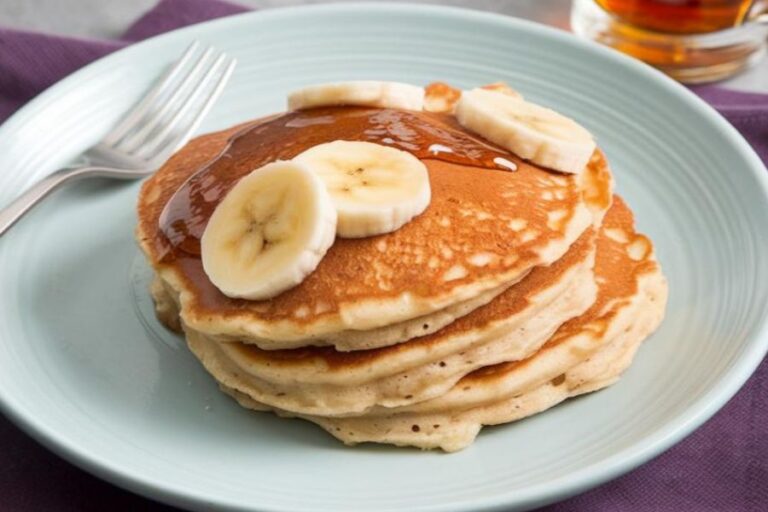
515, 287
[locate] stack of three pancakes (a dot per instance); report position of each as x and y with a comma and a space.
517, 288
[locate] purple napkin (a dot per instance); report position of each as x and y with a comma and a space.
30, 62
722, 467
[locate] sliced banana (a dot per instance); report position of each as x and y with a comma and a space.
376, 189
269, 232
441, 98
532, 132
366, 93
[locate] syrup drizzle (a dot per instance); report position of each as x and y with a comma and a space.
282, 137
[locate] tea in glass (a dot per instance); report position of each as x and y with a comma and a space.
692, 40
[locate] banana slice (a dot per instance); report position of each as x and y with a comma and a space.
441, 98
532, 132
366, 93
269, 232
376, 189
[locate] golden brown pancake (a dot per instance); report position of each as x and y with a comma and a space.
322, 380
486, 227
586, 353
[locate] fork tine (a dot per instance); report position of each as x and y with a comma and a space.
177, 98
182, 135
170, 140
141, 108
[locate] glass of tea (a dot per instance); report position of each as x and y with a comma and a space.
694, 41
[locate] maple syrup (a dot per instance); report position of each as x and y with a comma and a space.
428, 136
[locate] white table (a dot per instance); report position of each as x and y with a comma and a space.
109, 18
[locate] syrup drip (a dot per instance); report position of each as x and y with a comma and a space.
282, 137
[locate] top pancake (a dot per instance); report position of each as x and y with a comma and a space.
327, 382
485, 227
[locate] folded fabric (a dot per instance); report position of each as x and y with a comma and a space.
30, 62
723, 466
748, 112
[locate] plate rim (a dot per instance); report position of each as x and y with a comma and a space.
557, 489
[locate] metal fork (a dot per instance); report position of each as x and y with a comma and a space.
158, 125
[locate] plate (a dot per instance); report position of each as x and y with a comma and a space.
86, 369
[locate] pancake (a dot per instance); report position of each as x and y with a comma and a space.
167, 310
585, 354
485, 229
453, 432
321, 380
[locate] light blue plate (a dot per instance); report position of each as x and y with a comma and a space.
86, 369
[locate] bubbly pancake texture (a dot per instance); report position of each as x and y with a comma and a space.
486, 227
322, 380
587, 353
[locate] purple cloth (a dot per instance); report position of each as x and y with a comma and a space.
722, 467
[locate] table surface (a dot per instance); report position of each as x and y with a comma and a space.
109, 18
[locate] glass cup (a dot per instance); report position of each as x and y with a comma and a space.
694, 41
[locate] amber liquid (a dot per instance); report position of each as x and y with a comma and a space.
425, 135
679, 16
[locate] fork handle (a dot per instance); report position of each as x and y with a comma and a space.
21, 205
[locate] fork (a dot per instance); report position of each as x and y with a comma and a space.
148, 134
